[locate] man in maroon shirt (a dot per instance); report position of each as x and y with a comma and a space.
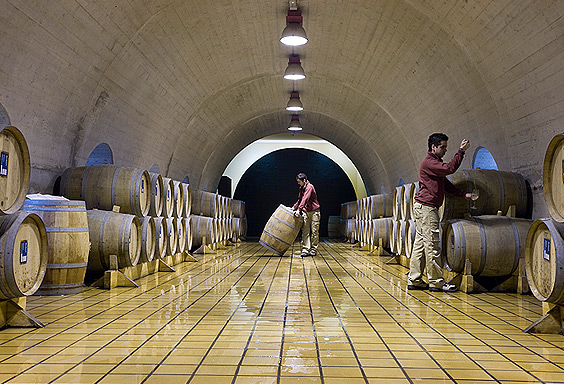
432, 186
308, 206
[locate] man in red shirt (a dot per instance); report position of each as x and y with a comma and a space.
432, 186
308, 206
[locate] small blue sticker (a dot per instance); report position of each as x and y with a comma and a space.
142, 186
23, 252
4, 164
546, 249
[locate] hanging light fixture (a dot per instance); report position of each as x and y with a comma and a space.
295, 123
294, 34
294, 71
294, 104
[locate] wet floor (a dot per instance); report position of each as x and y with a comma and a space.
242, 316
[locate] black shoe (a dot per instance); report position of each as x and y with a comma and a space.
445, 288
412, 287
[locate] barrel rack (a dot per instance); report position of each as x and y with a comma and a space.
551, 322
14, 314
125, 277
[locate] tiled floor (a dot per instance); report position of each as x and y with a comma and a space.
245, 317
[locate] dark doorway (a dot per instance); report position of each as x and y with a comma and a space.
271, 181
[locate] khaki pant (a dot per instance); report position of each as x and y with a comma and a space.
426, 248
310, 231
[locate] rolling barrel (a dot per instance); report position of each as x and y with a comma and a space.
498, 191
15, 169
493, 244
113, 233
103, 186
544, 260
553, 177
281, 230
23, 254
68, 243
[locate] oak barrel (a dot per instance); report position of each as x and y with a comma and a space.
410, 231
498, 191
238, 208
553, 177
113, 233
15, 169
187, 191
168, 197
203, 226
281, 230
103, 186
179, 203
68, 243
148, 239
333, 224
156, 205
396, 202
188, 230
381, 231
544, 260
493, 244
23, 254
405, 200
181, 233
161, 237
171, 236
380, 206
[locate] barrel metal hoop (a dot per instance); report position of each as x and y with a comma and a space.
517, 242
462, 241
268, 246
55, 203
483, 246
276, 238
114, 185
134, 189
67, 265
72, 285
501, 192
83, 181
66, 229
26, 207
556, 296
101, 242
121, 240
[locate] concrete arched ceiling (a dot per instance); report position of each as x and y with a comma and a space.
187, 84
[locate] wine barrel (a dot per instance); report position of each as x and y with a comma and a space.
187, 191
409, 190
410, 231
333, 224
23, 254
395, 224
181, 232
179, 203
553, 177
400, 237
68, 243
381, 230
161, 237
492, 243
498, 191
156, 205
239, 208
171, 236
348, 210
148, 239
380, 206
544, 260
168, 197
396, 202
203, 226
113, 233
15, 169
281, 230
103, 186
414, 190
351, 229
188, 231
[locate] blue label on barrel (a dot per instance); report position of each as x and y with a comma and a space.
142, 186
546, 252
4, 164
23, 252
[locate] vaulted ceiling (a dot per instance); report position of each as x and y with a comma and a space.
187, 84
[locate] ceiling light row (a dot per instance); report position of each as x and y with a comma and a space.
294, 35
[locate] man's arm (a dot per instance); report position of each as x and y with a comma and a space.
438, 168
